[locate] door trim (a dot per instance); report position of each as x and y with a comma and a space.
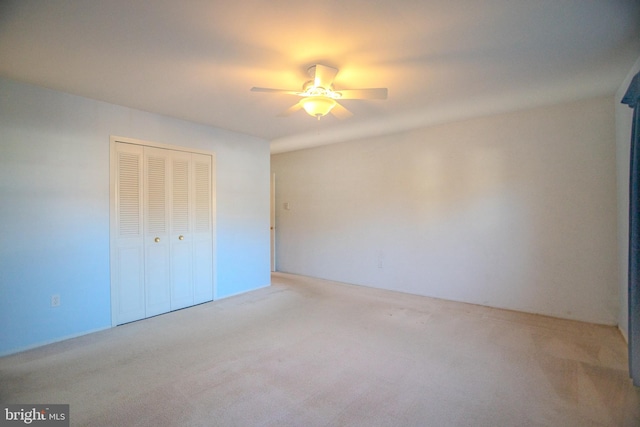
273, 222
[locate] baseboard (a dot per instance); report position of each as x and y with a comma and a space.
217, 297
624, 335
53, 341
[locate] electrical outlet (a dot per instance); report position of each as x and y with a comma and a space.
55, 300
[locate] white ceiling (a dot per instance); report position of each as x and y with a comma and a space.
442, 60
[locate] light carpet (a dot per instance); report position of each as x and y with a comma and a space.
309, 352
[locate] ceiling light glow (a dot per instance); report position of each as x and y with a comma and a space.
318, 106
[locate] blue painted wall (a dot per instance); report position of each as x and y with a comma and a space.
54, 209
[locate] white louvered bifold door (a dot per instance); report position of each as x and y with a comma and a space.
156, 236
202, 229
162, 240
181, 235
127, 252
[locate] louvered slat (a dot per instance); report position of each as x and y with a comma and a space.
180, 206
156, 209
202, 196
128, 195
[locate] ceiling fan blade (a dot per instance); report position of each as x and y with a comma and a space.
373, 93
289, 111
340, 112
324, 76
270, 90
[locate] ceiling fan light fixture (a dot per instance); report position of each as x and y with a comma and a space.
318, 106
318, 97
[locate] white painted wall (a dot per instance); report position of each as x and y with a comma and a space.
624, 116
54, 208
516, 211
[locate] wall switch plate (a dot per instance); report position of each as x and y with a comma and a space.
55, 300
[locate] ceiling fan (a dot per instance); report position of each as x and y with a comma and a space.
319, 97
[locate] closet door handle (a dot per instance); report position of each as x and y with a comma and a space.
157, 239
181, 237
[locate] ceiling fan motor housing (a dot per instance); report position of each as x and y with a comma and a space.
310, 89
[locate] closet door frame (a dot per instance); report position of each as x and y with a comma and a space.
113, 142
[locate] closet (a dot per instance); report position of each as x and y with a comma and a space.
161, 229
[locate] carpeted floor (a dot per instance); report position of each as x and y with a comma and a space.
307, 352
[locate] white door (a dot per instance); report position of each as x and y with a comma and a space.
202, 233
273, 222
191, 230
127, 251
162, 230
156, 233
181, 236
